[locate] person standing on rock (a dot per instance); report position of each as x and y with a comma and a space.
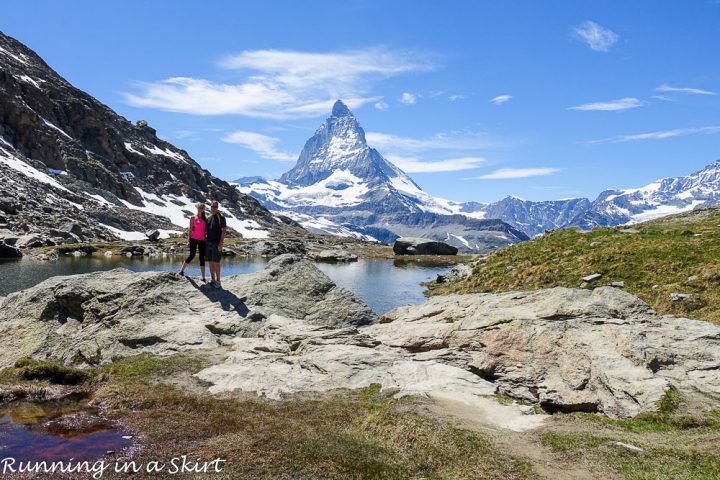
216, 231
196, 239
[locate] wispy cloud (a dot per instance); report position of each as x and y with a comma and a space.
455, 98
462, 140
263, 145
408, 98
595, 36
184, 134
661, 134
281, 84
500, 99
696, 91
511, 173
415, 165
664, 98
613, 105
382, 106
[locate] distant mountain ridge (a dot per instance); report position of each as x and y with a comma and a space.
339, 182
612, 207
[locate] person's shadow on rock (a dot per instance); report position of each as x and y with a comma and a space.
228, 301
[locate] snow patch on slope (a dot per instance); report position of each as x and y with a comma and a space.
55, 127
174, 208
341, 189
133, 236
22, 167
325, 226
662, 211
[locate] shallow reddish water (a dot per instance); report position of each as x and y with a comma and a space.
37, 432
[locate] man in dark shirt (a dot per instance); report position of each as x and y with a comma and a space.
216, 231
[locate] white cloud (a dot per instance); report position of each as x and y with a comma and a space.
667, 88
382, 106
408, 98
281, 84
664, 98
595, 36
455, 98
442, 141
510, 173
415, 165
263, 145
500, 99
661, 134
184, 134
613, 105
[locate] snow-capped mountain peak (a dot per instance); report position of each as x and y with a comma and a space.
339, 178
340, 109
340, 144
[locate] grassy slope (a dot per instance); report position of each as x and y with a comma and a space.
679, 254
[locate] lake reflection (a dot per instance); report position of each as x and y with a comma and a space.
383, 284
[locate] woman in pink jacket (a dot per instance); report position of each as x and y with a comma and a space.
196, 239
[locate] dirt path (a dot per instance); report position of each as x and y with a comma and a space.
515, 433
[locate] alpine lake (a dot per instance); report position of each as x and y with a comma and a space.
384, 284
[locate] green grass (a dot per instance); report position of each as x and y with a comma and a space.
575, 442
147, 366
360, 434
678, 442
652, 463
677, 254
50, 371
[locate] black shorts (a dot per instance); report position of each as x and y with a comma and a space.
212, 251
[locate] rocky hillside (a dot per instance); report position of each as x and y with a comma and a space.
340, 182
72, 169
671, 263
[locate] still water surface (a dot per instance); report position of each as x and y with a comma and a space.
383, 284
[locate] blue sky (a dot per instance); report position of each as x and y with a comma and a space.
477, 99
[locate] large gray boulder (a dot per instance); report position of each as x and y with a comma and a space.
294, 287
31, 240
601, 350
91, 318
422, 246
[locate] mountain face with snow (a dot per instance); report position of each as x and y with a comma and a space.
66, 157
341, 183
612, 207
662, 197
533, 218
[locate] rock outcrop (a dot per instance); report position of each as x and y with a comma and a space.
90, 318
289, 329
422, 246
601, 350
